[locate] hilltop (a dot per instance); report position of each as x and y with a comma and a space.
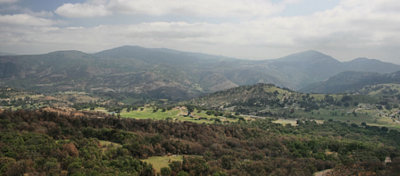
264, 99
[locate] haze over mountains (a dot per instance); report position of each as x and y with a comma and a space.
6, 54
164, 73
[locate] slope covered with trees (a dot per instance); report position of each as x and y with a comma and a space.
42, 142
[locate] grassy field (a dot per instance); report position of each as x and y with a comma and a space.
176, 114
107, 145
284, 122
159, 162
293, 122
148, 113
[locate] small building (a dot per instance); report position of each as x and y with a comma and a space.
388, 160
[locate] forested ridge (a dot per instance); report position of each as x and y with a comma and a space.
55, 143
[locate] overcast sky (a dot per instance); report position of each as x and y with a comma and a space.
251, 29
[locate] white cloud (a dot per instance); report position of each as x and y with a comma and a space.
203, 8
82, 10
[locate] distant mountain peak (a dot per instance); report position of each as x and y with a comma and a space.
131, 50
67, 52
128, 47
311, 53
364, 59
308, 56
134, 48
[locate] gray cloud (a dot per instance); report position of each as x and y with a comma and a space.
8, 1
24, 20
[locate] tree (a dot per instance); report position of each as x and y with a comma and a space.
227, 161
384, 129
190, 109
175, 166
182, 173
346, 98
329, 99
195, 166
165, 171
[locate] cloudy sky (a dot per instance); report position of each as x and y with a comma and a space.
251, 29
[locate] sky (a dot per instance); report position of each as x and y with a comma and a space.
248, 29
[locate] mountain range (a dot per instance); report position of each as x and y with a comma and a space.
169, 74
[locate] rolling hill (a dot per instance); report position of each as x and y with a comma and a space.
376, 105
264, 100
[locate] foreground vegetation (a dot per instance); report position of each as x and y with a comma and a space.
76, 143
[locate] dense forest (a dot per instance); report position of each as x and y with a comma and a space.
63, 143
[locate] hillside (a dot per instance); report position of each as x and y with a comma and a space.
352, 82
264, 100
158, 73
383, 90
243, 94
380, 107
